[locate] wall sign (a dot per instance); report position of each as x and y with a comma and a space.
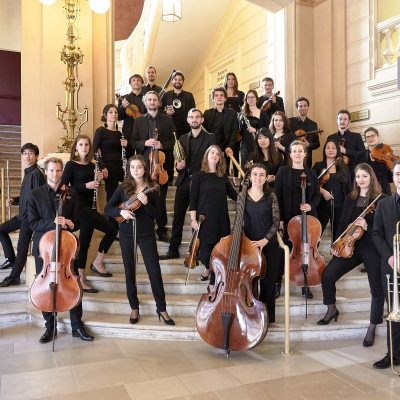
254, 85
359, 115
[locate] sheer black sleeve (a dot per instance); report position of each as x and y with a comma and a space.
275, 219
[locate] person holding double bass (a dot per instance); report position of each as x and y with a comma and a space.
366, 189
42, 206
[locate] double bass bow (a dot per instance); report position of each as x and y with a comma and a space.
191, 252
231, 317
384, 153
156, 160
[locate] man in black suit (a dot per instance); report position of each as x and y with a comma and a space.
135, 98
143, 142
387, 215
151, 75
277, 101
353, 141
42, 207
222, 122
195, 143
307, 125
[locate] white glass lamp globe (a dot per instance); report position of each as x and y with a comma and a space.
99, 6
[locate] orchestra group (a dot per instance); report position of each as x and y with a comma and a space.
274, 150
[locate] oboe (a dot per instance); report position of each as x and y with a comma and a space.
123, 158
96, 170
8, 190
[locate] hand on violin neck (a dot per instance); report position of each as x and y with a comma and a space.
125, 103
305, 207
143, 198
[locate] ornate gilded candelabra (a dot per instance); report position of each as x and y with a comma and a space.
72, 57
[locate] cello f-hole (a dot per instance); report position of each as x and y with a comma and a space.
216, 292
44, 276
246, 295
65, 272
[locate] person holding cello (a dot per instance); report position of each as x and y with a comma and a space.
283, 137
208, 192
366, 189
137, 181
303, 123
382, 172
42, 206
289, 195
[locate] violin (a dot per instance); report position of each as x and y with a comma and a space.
384, 153
325, 175
57, 288
156, 160
132, 110
231, 317
345, 158
344, 244
268, 103
133, 203
192, 250
306, 264
302, 135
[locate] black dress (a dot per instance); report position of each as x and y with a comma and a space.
285, 140
271, 169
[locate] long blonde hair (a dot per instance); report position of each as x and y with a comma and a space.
221, 166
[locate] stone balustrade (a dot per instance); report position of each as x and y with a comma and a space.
389, 29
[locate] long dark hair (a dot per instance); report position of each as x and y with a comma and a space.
235, 87
374, 189
129, 184
246, 108
273, 156
341, 167
105, 111
266, 189
89, 155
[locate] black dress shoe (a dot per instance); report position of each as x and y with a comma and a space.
386, 363
277, 290
47, 336
309, 294
164, 238
7, 264
106, 275
90, 290
81, 333
169, 255
8, 281
363, 269
134, 321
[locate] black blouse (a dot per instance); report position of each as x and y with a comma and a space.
208, 197
235, 102
257, 123
109, 143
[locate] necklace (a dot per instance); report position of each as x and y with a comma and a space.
362, 198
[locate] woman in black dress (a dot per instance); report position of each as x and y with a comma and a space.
261, 222
208, 192
365, 189
289, 195
283, 137
337, 187
138, 179
257, 119
266, 153
79, 173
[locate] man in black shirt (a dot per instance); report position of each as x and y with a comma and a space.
33, 178
307, 125
277, 101
195, 143
134, 98
151, 75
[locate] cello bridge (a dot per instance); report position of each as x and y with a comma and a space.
230, 294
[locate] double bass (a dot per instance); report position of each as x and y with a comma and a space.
231, 317
156, 160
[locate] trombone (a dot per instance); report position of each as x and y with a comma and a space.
394, 314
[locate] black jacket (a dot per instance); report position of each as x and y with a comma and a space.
313, 139
41, 213
283, 191
383, 173
278, 106
166, 129
230, 125
147, 88
205, 141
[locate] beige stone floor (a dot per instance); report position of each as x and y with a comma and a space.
123, 369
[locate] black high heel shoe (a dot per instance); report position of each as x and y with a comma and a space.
134, 321
324, 321
166, 321
205, 278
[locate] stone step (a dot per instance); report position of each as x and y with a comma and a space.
10, 147
6, 272
13, 312
9, 155
14, 293
14, 164
10, 141
10, 128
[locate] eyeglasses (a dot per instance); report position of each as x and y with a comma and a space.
370, 136
250, 97
28, 154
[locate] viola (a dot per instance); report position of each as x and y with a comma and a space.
306, 264
156, 160
325, 175
231, 317
345, 158
384, 153
193, 248
57, 288
132, 110
344, 245
133, 203
268, 103
302, 135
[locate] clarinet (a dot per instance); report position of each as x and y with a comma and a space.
96, 170
123, 158
247, 122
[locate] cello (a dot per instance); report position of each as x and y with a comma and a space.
156, 160
231, 317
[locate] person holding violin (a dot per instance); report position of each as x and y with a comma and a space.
283, 137
144, 143
365, 189
382, 172
276, 101
139, 179
303, 123
334, 185
265, 153
289, 195
208, 192
256, 118
133, 98
42, 206
79, 173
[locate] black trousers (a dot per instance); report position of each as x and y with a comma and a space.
25, 235
90, 220
324, 216
236, 152
205, 254
115, 175
169, 165
75, 314
182, 201
243, 155
162, 221
148, 247
339, 266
